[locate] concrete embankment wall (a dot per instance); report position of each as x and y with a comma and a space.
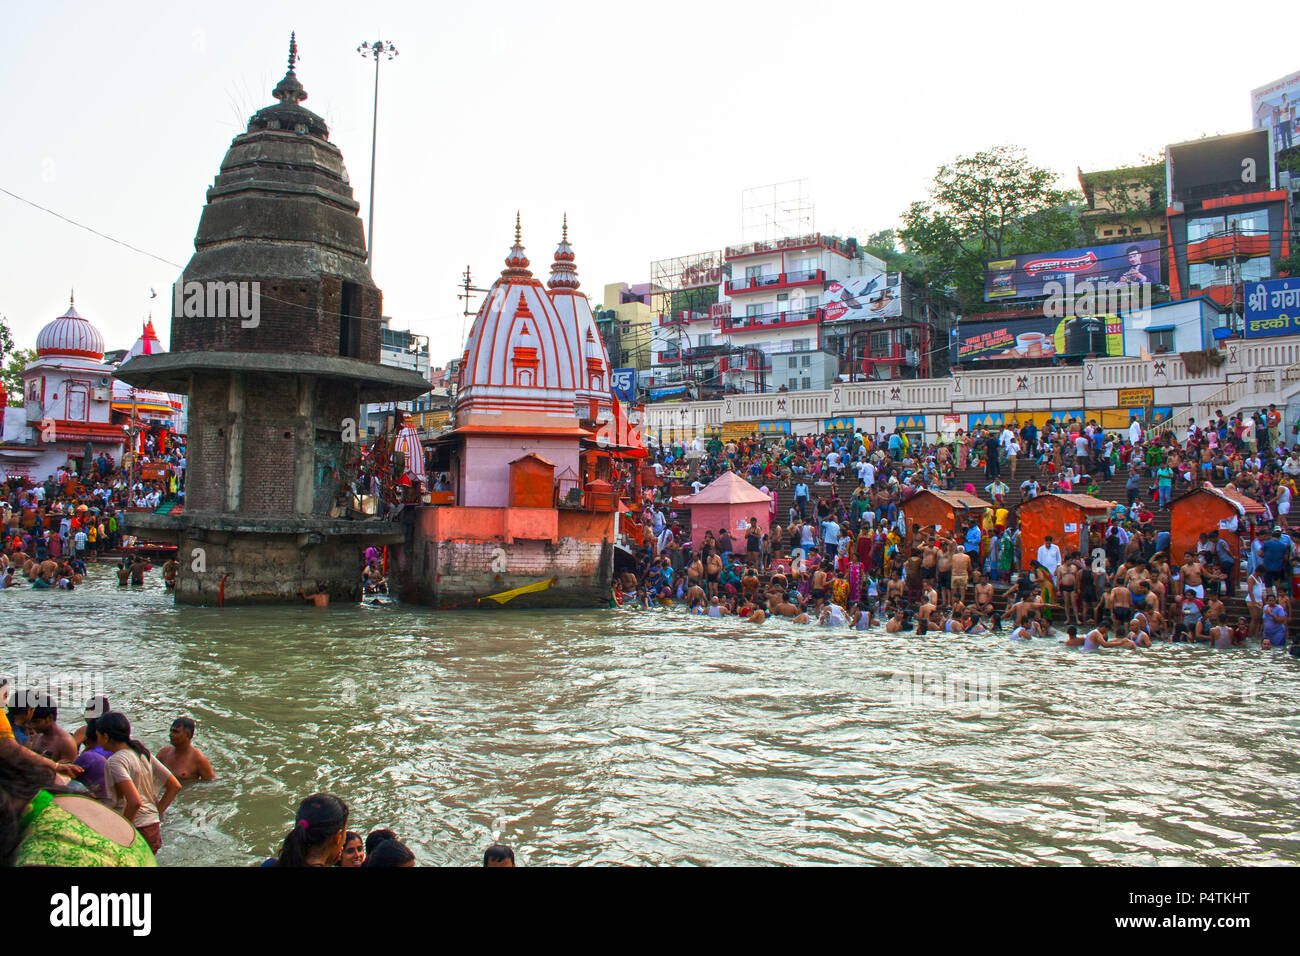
266, 568
455, 556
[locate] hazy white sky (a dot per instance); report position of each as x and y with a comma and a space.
644, 121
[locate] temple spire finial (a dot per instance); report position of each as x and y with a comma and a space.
72, 296
518, 234
289, 91
565, 234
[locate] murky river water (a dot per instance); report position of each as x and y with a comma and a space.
615, 736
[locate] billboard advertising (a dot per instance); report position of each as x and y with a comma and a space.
1121, 263
622, 383
864, 297
1274, 106
1039, 337
1220, 166
1272, 308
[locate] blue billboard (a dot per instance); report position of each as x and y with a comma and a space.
1272, 308
622, 382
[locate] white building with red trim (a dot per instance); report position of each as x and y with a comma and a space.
67, 403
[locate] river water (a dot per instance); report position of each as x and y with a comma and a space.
657, 738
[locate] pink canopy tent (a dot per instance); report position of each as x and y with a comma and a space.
728, 502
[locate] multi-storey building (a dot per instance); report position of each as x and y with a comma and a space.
775, 324
625, 321
1228, 219
1124, 202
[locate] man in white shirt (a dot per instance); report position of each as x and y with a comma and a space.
1049, 556
1006, 438
1135, 432
697, 486
1292, 464
867, 472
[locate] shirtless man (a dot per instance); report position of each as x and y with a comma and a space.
170, 570
757, 616
983, 594
46, 737
695, 597
1068, 584
779, 605
695, 571
714, 570
819, 584
1190, 574
929, 563
182, 758
1120, 601
321, 598
897, 622
945, 573
894, 591
123, 573
138, 567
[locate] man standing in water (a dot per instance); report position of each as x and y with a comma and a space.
182, 758
321, 598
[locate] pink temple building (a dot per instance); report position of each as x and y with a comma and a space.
532, 501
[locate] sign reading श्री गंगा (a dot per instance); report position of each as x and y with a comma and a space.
1272, 308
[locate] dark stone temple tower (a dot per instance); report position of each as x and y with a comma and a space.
275, 339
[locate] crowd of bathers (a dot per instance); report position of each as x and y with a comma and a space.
856, 562
97, 796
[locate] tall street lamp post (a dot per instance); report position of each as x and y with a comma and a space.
379, 49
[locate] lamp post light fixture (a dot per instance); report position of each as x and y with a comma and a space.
379, 49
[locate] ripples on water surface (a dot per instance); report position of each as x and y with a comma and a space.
613, 736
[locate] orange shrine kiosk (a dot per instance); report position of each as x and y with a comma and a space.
1063, 516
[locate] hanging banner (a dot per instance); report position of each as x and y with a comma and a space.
622, 383
864, 297
839, 425
774, 428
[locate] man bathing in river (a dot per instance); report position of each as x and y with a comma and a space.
321, 598
182, 758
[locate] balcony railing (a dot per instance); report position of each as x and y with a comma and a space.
773, 319
775, 280
1242, 245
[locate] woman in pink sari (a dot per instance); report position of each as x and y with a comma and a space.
855, 582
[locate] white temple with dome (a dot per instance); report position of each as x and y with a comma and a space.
70, 398
67, 403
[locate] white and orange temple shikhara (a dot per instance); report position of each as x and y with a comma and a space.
537, 459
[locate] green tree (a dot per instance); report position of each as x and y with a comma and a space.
11, 375
884, 245
987, 206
